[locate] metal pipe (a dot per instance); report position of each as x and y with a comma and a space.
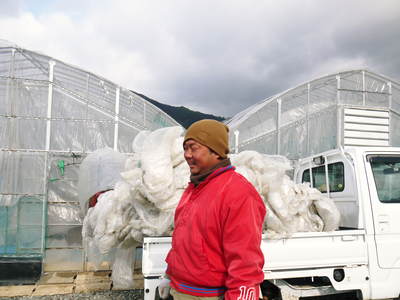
85, 142
236, 133
49, 103
10, 96
144, 114
390, 114
337, 89
339, 121
363, 87
12, 66
6, 230
326, 176
116, 125
47, 155
25, 195
307, 119
278, 125
85, 132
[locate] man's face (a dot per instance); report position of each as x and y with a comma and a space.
199, 157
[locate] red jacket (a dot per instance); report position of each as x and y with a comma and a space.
216, 240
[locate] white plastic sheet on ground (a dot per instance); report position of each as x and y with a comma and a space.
144, 198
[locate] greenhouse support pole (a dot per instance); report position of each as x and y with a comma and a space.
278, 126
85, 132
46, 164
85, 243
339, 121
236, 133
10, 97
391, 112
307, 119
49, 103
363, 87
144, 114
12, 66
10, 75
116, 125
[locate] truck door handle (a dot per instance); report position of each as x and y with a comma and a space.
384, 223
348, 238
383, 219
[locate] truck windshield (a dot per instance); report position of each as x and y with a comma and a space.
386, 170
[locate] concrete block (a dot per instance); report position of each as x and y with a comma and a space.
138, 281
16, 290
103, 266
99, 276
86, 287
57, 277
53, 289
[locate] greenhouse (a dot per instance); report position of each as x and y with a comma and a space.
352, 108
51, 115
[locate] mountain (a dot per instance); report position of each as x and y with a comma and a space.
181, 114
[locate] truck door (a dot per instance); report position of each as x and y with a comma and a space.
383, 173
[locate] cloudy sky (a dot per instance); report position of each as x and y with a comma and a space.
215, 56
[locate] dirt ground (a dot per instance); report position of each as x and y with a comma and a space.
101, 295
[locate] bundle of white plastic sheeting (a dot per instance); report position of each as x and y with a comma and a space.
122, 275
146, 193
108, 223
99, 171
291, 207
137, 144
105, 228
143, 202
156, 162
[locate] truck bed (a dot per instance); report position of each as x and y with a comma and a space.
305, 250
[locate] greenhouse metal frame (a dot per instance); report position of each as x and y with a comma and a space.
52, 115
326, 113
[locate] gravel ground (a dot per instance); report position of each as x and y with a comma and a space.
104, 295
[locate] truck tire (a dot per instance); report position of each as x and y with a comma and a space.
157, 296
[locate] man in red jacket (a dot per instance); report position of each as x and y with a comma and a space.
218, 224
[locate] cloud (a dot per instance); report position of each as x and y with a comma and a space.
214, 56
10, 7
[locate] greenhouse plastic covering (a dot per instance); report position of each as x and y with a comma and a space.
308, 119
52, 115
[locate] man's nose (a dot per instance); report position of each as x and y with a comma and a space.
187, 153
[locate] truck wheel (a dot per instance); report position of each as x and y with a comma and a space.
157, 296
270, 291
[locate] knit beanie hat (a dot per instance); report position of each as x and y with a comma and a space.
210, 133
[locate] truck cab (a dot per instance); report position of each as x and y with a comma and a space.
364, 183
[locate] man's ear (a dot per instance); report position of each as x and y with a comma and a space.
215, 154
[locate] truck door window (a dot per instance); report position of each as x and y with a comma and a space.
335, 175
386, 172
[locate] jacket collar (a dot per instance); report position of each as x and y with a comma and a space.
214, 174
199, 178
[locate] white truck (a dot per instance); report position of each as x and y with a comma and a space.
362, 256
